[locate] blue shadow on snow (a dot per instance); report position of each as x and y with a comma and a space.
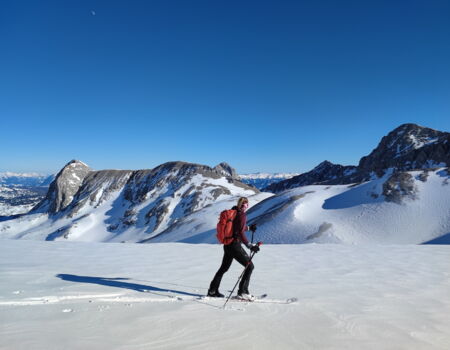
118, 282
444, 239
355, 196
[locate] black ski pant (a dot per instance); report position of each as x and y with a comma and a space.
233, 251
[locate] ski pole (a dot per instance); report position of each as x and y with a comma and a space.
242, 274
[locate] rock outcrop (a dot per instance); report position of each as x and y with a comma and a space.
149, 200
408, 147
64, 187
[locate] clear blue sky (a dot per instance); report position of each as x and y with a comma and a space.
263, 85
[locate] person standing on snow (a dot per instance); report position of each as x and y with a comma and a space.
234, 250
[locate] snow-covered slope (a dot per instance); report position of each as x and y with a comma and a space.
262, 180
123, 205
67, 295
200, 226
409, 207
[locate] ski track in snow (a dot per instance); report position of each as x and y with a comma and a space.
133, 296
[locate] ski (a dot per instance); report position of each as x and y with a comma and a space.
259, 297
206, 297
265, 300
277, 301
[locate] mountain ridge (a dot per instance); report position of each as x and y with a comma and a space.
132, 203
407, 147
180, 201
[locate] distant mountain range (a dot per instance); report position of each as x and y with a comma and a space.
262, 180
25, 179
20, 192
399, 193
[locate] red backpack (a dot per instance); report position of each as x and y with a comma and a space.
225, 226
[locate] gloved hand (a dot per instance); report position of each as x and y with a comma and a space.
254, 248
253, 227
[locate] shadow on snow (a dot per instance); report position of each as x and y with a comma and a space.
118, 282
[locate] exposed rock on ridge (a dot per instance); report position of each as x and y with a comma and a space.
408, 147
325, 172
148, 201
64, 187
226, 170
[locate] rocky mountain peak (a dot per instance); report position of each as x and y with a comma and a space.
410, 136
75, 162
226, 170
73, 170
65, 185
325, 172
407, 147
150, 201
324, 166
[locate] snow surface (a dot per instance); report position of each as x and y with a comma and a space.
72, 295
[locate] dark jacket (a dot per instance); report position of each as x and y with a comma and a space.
240, 226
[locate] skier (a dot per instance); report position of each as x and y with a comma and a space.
234, 250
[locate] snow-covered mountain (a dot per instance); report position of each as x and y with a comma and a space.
382, 200
124, 205
262, 180
400, 207
20, 192
408, 147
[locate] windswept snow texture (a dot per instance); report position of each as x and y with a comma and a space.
67, 295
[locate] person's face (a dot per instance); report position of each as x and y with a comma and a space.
244, 206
